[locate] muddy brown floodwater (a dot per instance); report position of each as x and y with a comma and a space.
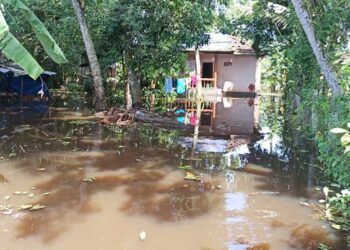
102, 187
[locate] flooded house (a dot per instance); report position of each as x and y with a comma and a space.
228, 66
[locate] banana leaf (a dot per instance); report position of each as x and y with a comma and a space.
14, 50
44, 37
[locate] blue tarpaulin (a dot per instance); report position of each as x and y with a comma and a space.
13, 79
30, 87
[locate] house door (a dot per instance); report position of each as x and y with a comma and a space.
207, 70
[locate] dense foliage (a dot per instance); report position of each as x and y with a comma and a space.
291, 67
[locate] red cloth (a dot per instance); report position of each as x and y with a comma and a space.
194, 81
193, 119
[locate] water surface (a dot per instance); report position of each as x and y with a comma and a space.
136, 186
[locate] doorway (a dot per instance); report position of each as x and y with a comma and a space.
207, 70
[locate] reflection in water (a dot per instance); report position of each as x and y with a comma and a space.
139, 187
224, 117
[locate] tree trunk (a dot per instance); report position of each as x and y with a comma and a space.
135, 88
315, 45
127, 96
199, 90
91, 53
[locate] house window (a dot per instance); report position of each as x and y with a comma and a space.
227, 64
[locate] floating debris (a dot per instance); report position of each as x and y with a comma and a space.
19, 193
190, 176
7, 197
37, 207
5, 207
304, 203
3, 179
89, 179
142, 235
24, 207
41, 169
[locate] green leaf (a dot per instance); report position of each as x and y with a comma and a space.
345, 139
14, 50
338, 131
46, 40
347, 150
186, 167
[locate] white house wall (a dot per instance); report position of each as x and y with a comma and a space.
239, 75
240, 70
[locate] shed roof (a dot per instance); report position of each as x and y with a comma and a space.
223, 43
18, 71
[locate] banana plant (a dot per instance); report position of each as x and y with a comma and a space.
15, 51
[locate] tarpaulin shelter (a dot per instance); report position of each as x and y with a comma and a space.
15, 79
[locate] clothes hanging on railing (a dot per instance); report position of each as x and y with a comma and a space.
181, 86
194, 81
168, 85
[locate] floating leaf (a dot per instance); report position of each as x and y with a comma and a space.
24, 207
338, 131
304, 203
7, 197
37, 207
47, 193
186, 167
89, 179
41, 169
190, 176
322, 201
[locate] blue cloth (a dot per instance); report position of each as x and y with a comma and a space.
168, 85
180, 111
181, 86
180, 119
